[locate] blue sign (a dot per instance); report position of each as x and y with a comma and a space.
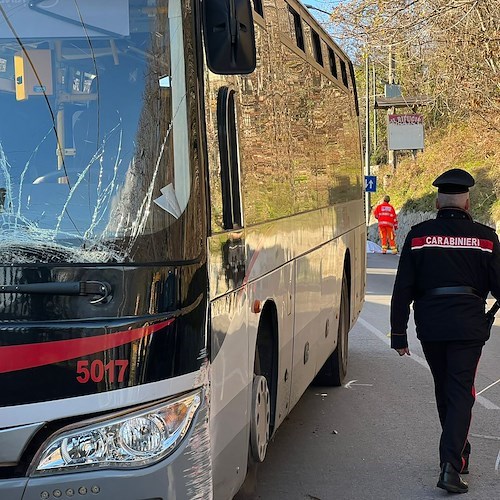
370, 183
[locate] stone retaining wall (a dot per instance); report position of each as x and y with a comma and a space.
406, 221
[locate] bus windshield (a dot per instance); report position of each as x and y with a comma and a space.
94, 154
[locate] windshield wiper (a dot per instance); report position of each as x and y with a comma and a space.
99, 289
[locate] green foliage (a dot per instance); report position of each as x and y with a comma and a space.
473, 146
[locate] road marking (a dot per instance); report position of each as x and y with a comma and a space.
381, 271
497, 463
353, 382
489, 387
484, 436
421, 361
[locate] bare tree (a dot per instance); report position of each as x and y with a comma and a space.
448, 49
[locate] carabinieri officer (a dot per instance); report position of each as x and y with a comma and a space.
447, 267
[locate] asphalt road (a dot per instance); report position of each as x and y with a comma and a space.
377, 436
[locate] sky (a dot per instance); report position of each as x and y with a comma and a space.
322, 17
325, 5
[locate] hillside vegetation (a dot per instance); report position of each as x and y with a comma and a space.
448, 51
473, 145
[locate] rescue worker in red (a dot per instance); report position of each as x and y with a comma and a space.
387, 224
448, 266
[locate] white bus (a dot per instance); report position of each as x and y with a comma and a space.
182, 239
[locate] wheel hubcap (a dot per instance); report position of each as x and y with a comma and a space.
261, 417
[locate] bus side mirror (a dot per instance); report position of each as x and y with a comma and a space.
229, 36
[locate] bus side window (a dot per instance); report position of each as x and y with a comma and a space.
333, 62
296, 27
343, 70
316, 46
353, 87
258, 7
229, 159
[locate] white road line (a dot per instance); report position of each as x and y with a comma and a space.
421, 361
497, 463
489, 387
484, 436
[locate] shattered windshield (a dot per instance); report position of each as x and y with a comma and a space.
94, 155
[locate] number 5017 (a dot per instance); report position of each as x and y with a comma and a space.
97, 371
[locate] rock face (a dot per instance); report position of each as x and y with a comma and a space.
406, 220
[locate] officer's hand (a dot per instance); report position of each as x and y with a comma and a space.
404, 351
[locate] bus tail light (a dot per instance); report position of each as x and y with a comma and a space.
136, 439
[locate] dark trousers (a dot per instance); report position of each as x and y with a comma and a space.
453, 365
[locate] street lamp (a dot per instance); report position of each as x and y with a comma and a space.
367, 131
318, 9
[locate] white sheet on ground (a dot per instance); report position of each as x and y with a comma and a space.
372, 247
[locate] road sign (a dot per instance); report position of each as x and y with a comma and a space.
370, 183
405, 132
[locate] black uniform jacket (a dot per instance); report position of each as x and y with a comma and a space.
449, 251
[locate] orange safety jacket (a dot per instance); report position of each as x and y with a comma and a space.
386, 215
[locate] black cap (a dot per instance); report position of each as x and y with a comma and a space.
454, 181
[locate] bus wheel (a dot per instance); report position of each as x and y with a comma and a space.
260, 418
334, 370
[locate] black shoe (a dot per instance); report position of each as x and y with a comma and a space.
465, 468
450, 480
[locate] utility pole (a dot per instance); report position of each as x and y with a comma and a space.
391, 111
393, 99
374, 90
367, 133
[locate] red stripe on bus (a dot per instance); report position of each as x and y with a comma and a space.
22, 357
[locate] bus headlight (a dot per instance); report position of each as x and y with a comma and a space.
135, 439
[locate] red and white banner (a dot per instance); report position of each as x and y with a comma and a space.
456, 242
406, 119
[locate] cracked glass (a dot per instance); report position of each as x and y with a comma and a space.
95, 164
